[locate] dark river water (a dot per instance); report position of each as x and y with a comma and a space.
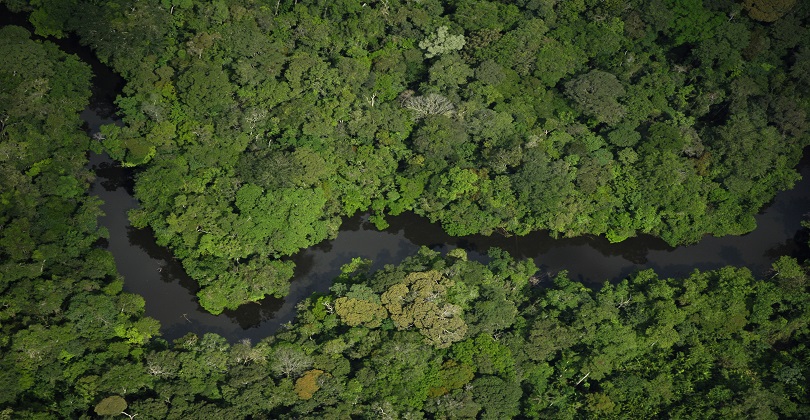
150, 270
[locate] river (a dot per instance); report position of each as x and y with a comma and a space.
150, 270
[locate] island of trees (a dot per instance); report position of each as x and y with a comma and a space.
255, 126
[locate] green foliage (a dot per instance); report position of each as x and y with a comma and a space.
768, 10
482, 116
419, 301
362, 310
597, 94
71, 339
111, 406
258, 126
499, 399
441, 42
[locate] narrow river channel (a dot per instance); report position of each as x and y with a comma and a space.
150, 271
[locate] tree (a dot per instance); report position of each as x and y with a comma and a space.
206, 90
419, 301
452, 376
289, 360
441, 42
768, 10
475, 15
597, 94
307, 385
556, 60
791, 275
111, 406
356, 312
691, 21
447, 74
430, 104
498, 398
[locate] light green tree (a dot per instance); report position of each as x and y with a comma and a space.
419, 301
356, 312
441, 42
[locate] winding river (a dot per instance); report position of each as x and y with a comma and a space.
150, 270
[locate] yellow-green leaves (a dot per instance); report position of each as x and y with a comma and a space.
441, 42
419, 301
356, 312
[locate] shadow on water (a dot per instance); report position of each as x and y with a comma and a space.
151, 271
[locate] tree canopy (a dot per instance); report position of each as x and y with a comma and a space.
258, 127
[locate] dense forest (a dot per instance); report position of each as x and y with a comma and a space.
256, 126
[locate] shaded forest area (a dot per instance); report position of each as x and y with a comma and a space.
256, 126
